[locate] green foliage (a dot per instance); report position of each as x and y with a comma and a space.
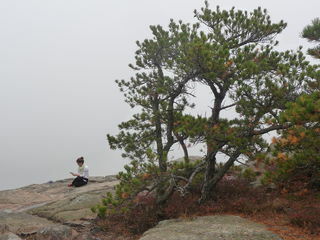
158, 90
136, 178
182, 168
237, 28
233, 54
249, 174
312, 33
102, 211
297, 150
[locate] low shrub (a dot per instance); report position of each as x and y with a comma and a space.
180, 206
136, 219
249, 174
239, 196
234, 196
307, 218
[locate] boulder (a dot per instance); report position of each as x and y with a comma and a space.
3, 227
22, 223
9, 236
208, 228
56, 232
87, 236
70, 209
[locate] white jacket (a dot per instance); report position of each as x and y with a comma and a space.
84, 171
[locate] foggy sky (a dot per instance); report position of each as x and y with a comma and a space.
58, 63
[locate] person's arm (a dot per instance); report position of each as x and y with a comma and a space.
75, 174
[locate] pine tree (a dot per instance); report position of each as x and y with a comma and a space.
159, 92
237, 61
296, 151
296, 161
312, 33
232, 53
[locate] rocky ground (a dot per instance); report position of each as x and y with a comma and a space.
53, 211
218, 227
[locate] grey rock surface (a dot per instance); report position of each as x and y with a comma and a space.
87, 236
192, 159
22, 223
219, 227
37, 195
40, 209
56, 232
9, 236
76, 202
72, 208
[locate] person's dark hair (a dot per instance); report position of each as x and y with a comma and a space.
80, 160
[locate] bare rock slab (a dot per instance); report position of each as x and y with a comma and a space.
9, 236
39, 209
72, 208
36, 195
218, 227
56, 232
56, 201
22, 223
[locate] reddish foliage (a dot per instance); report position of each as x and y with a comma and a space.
308, 218
178, 206
284, 213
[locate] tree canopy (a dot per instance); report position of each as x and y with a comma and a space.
233, 54
296, 150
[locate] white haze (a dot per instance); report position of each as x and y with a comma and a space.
58, 63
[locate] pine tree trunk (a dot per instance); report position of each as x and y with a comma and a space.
207, 191
209, 174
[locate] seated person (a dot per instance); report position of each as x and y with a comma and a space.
82, 177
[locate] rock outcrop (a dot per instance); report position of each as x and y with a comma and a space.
56, 232
37, 195
9, 236
51, 210
22, 223
224, 227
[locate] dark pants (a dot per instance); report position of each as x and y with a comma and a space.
79, 181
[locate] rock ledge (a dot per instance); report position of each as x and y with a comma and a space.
220, 227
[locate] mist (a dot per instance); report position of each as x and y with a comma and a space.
58, 63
